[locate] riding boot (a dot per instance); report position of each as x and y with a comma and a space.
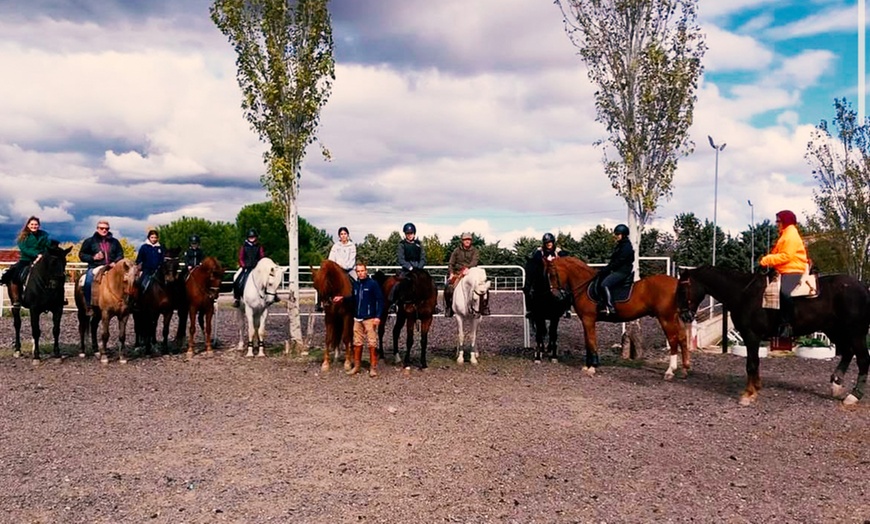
448, 301
318, 307
373, 359
786, 315
610, 309
357, 358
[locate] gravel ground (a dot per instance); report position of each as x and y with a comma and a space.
230, 439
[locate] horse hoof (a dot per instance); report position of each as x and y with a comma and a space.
122, 360
36, 362
837, 391
407, 370
554, 360
474, 359
669, 375
850, 400
261, 354
249, 354
373, 373
747, 400
82, 355
17, 354
589, 371
104, 360
537, 361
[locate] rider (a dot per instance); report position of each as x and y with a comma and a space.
411, 256
100, 249
342, 253
194, 254
461, 260
617, 270
369, 304
149, 258
789, 258
249, 254
32, 243
548, 250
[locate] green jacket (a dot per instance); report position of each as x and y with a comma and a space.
33, 245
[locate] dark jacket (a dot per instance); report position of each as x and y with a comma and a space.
193, 257
250, 254
541, 253
462, 258
368, 299
622, 258
411, 255
33, 245
108, 245
150, 257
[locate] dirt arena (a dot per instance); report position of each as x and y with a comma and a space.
223, 438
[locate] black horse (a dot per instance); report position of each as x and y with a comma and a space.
43, 292
416, 298
162, 296
841, 311
543, 307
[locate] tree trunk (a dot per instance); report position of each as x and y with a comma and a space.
291, 221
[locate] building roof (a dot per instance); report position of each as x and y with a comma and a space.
9, 255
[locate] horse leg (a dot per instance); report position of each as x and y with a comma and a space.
552, 336
84, 323
122, 338
191, 331
676, 341
753, 378
397, 331
16, 321
207, 332
261, 334
36, 332
460, 346
104, 338
863, 357
55, 329
347, 338
591, 341
249, 316
838, 390
475, 322
382, 327
424, 340
95, 322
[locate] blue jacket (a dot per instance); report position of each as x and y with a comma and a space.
368, 299
150, 257
622, 258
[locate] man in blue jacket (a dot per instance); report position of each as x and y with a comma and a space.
369, 304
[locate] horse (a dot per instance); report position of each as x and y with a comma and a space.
159, 298
655, 295
332, 281
113, 290
261, 291
467, 299
841, 311
543, 307
203, 286
43, 292
416, 300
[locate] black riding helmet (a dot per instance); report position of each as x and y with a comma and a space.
409, 228
194, 239
252, 233
621, 229
548, 237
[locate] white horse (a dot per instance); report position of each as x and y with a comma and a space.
467, 297
261, 291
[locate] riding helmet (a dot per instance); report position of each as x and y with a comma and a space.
621, 229
194, 239
548, 237
252, 233
409, 228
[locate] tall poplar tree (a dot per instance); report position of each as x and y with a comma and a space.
644, 56
285, 71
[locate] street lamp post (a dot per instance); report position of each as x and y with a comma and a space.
715, 191
752, 236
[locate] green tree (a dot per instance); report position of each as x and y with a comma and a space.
436, 253
377, 252
596, 245
285, 71
840, 156
644, 56
217, 239
524, 247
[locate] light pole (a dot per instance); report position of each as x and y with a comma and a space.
752, 236
715, 191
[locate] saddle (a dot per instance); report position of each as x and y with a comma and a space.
808, 288
618, 293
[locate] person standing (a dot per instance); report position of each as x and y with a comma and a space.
194, 254
98, 251
617, 269
32, 243
149, 258
250, 253
369, 304
789, 259
461, 260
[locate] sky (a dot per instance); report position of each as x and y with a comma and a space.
455, 115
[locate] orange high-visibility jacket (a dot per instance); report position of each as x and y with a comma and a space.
789, 254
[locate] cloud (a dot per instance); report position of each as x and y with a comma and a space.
837, 19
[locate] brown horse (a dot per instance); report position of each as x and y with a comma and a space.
416, 300
156, 300
203, 287
111, 293
655, 295
332, 281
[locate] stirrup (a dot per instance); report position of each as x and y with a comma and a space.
394, 308
785, 330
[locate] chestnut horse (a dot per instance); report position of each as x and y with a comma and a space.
333, 281
203, 286
112, 291
841, 311
655, 295
43, 293
416, 300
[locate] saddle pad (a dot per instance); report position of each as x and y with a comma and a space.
97, 271
770, 299
617, 294
808, 287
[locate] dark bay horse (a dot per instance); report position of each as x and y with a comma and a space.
159, 298
416, 300
112, 291
545, 309
841, 311
203, 286
655, 295
43, 292
332, 281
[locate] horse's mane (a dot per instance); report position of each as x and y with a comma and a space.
331, 280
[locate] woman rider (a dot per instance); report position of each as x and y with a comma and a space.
789, 259
32, 243
617, 270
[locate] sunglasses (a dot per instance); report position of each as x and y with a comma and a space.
102, 228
